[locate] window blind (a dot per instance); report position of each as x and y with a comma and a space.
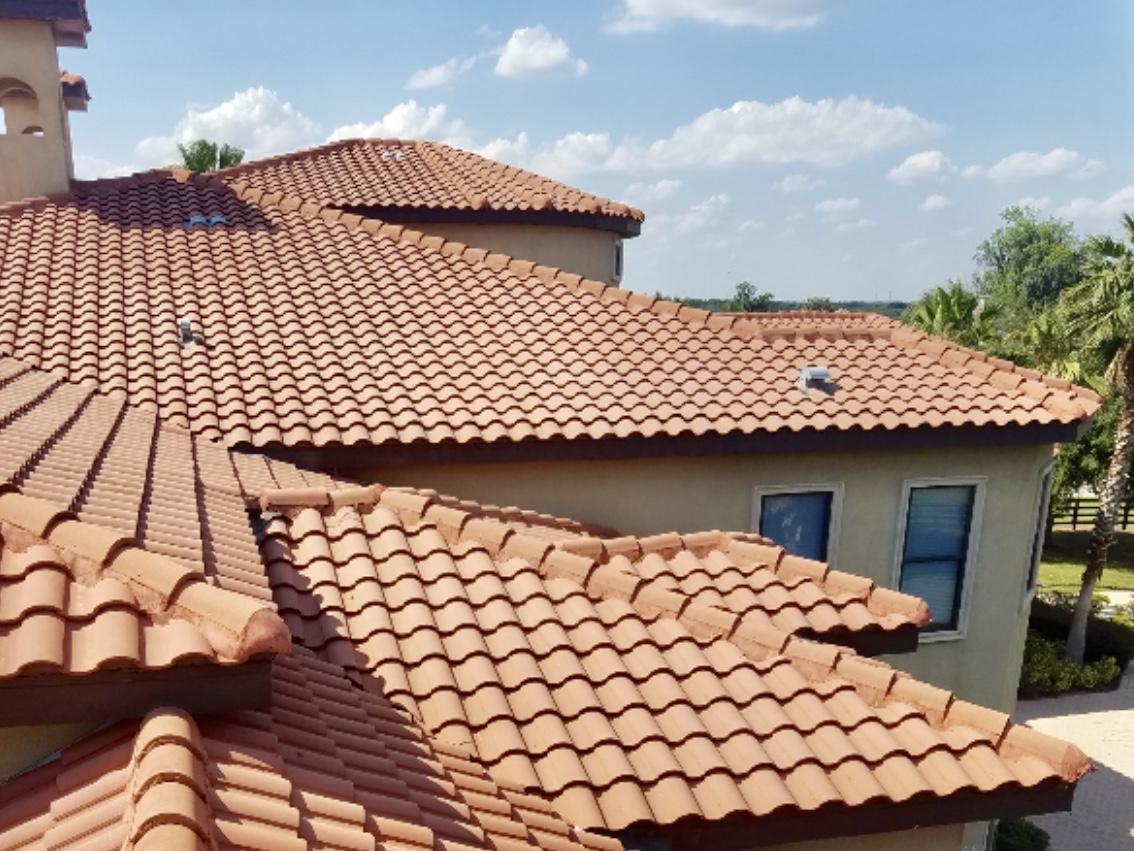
938, 523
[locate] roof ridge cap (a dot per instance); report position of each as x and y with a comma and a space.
290, 156
236, 626
432, 156
82, 188
879, 601
178, 779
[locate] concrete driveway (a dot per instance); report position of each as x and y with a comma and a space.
1103, 726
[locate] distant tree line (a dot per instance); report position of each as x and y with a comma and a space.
748, 299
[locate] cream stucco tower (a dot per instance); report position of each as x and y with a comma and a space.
35, 135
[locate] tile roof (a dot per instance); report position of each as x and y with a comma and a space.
395, 176
730, 572
120, 468
619, 699
76, 95
327, 766
318, 329
77, 598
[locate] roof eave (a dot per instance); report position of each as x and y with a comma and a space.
68, 18
734, 833
870, 642
584, 448
624, 226
111, 695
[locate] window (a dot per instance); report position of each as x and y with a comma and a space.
938, 543
19, 108
1040, 531
617, 261
803, 520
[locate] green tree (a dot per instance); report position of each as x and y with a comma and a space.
747, 300
1025, 264
956, 313
1099, 315
203, 156
817, 303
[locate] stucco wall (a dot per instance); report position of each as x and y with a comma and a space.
584, 251
21, 747
33, 165
648, 496
946, 838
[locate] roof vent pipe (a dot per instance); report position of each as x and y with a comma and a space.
814, 379
185, 330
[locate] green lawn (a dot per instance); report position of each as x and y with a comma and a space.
1063, 561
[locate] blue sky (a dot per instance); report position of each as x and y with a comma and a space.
840, 148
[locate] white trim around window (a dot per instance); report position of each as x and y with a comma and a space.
1043, 504
979, 485
833, 488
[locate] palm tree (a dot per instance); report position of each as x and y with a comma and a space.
203, 155
1099, 314
953, 312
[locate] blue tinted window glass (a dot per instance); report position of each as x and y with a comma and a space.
798, 522
936, 546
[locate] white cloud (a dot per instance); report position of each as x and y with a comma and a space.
638, 192
92, 168
799, 183
775, 15
408, 120
924, 167
935, 202
1026, 164
837, 206
708, 219
858, 224
703, 216
1088, 170
1105, 211
750, 225
255, 120
511, 151
824, 133
580, 153
534, 50
439, 75
916, 242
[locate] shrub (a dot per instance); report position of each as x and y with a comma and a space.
1017, 834
1066, 600
1104, 637
1047, 670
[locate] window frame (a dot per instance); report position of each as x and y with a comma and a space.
833, 524
979, 485
1043, 506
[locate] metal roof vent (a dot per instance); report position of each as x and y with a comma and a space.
207, 221
185, 335
397, 154
815, 378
